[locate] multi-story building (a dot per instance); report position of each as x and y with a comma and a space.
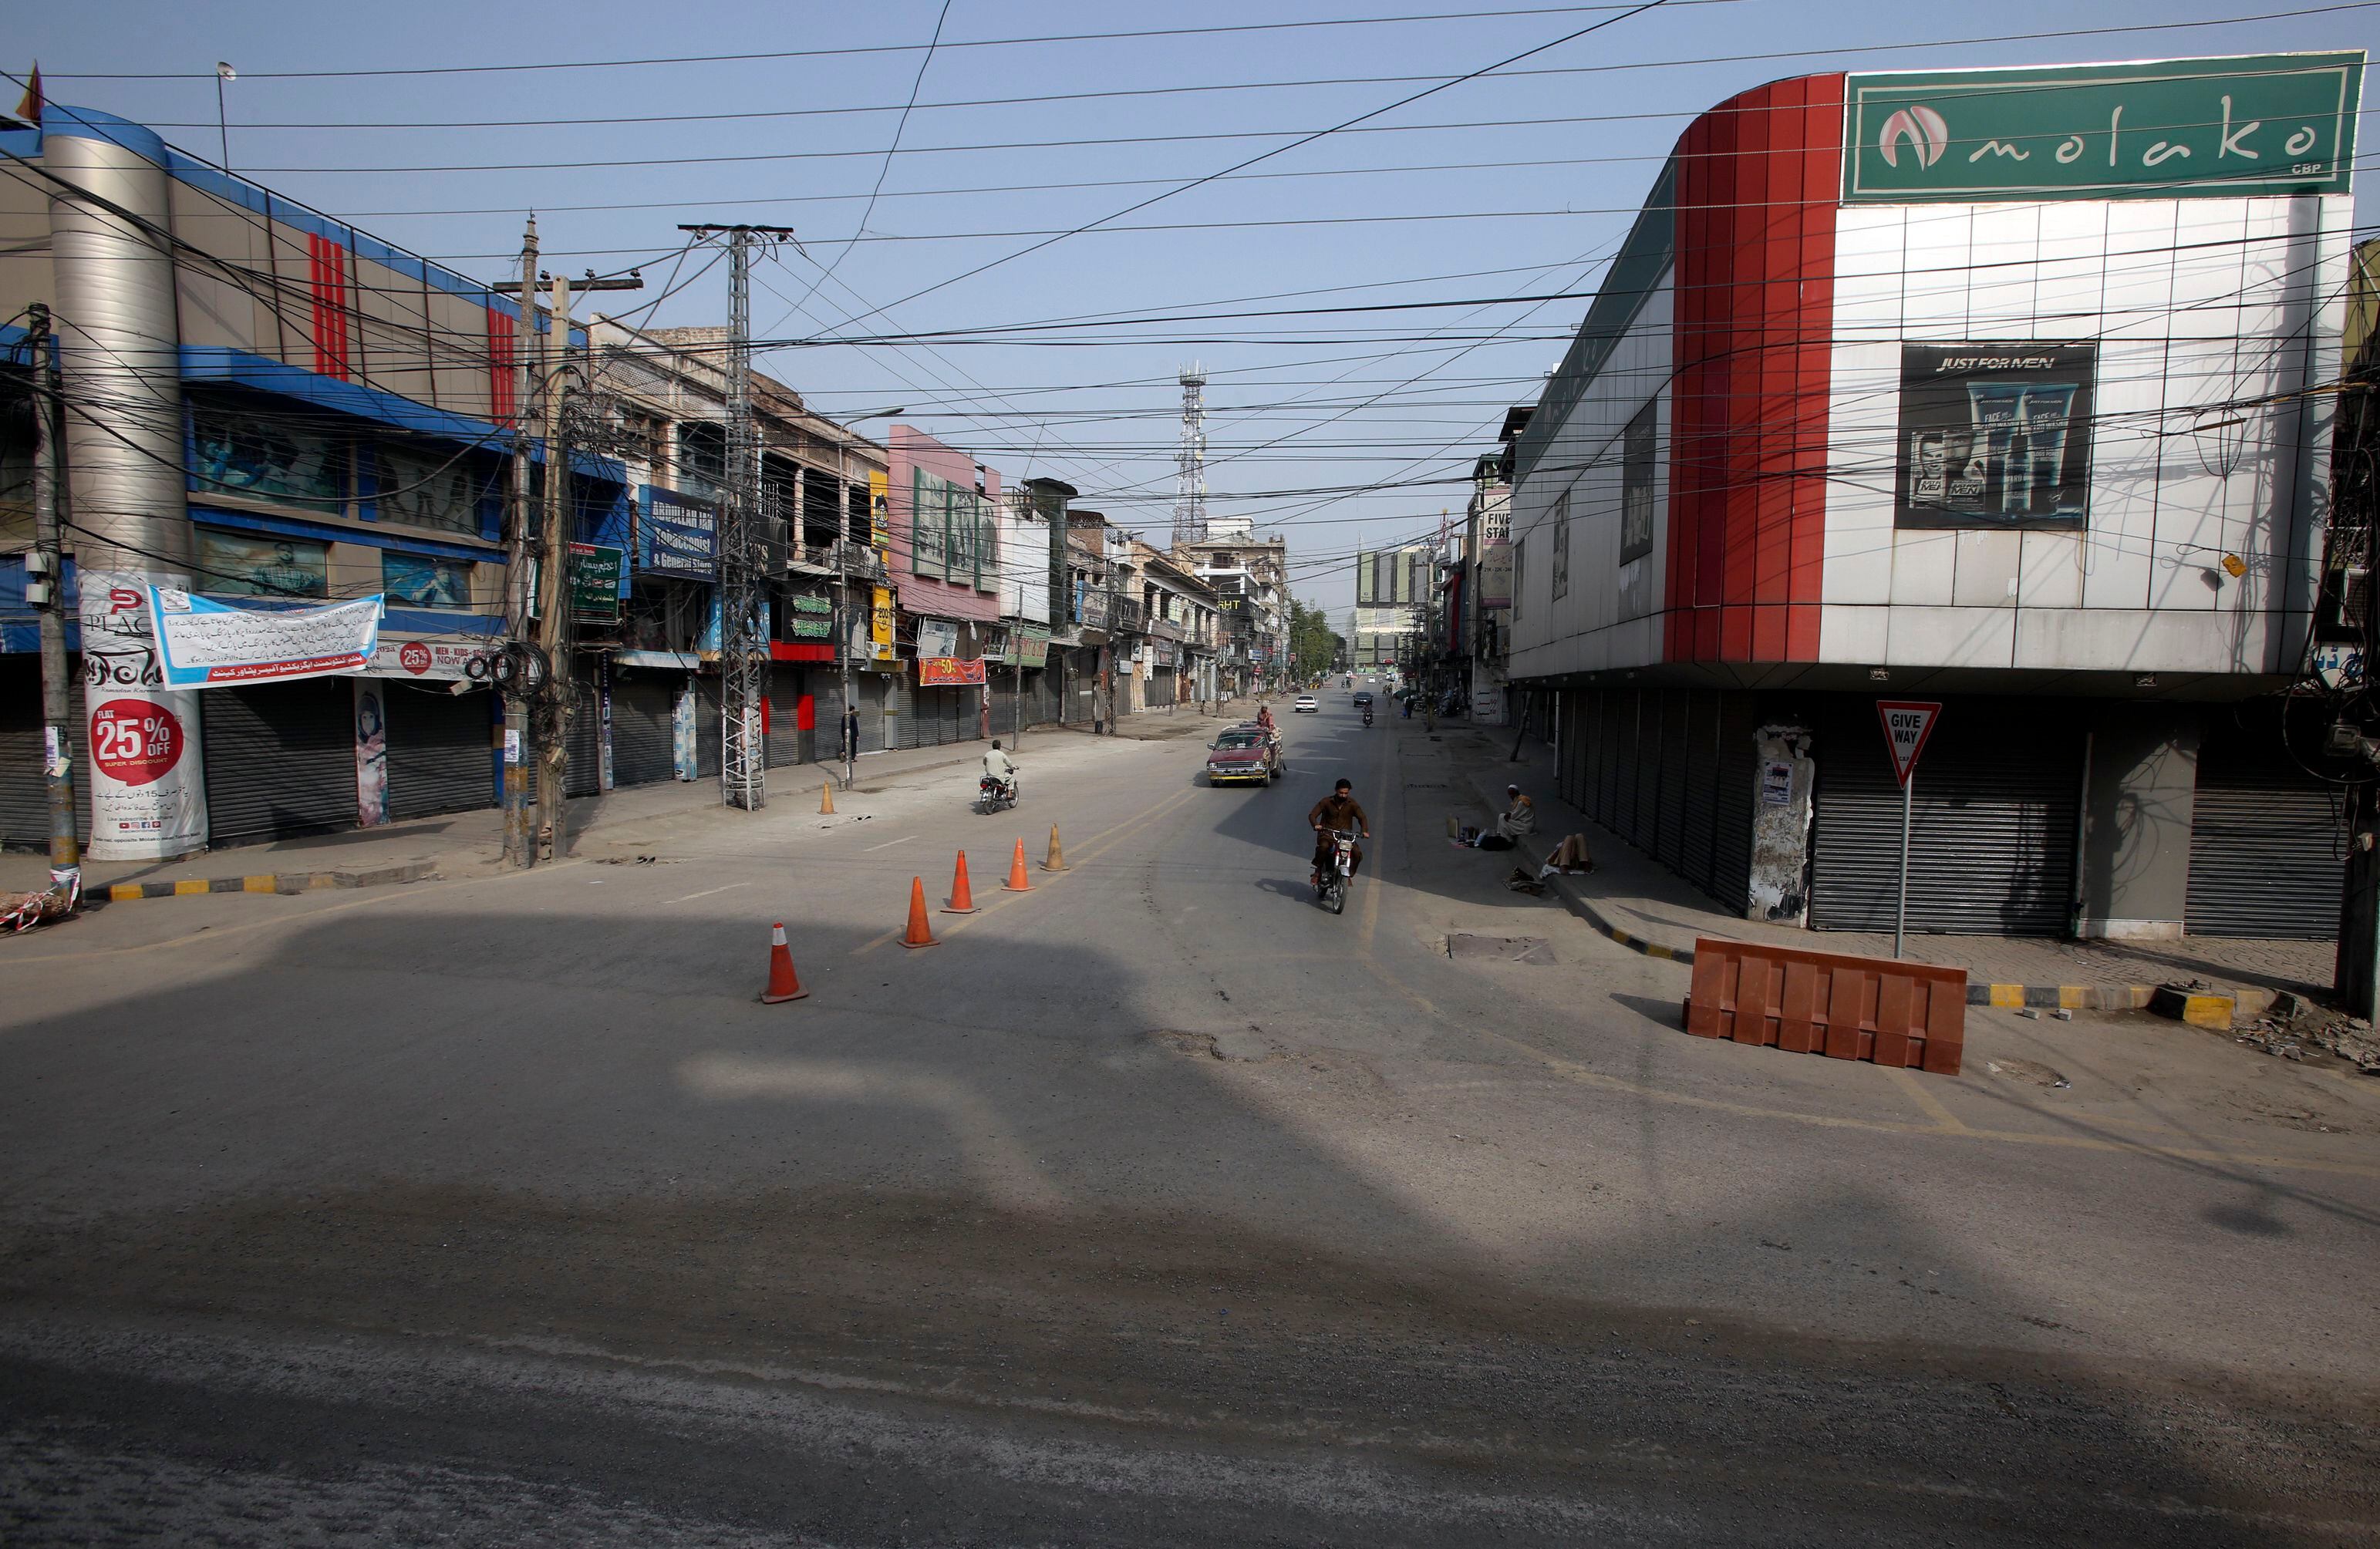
1250, 579
1392, 589
1176, 618
1998, 390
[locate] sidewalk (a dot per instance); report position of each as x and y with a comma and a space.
452, 844
1642, 904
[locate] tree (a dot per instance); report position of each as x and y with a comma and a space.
1311, 644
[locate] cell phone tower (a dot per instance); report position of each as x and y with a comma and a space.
1190, 494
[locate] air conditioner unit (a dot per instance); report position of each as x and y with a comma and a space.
2344, 612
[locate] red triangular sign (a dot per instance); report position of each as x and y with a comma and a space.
1907, 724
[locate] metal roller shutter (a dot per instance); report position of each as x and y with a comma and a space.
900, 713
24, 791
439, 752
641, 738
1698, 822
1569, 779
1627, 758
280, 760
786, 686
2266, 842
1670, 817
1731, 801
583, 776
1992, 846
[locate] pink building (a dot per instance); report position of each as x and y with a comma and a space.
944, 533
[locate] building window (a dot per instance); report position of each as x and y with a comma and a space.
1636, 487
245, 565
424, 581
234, 455
449, 494
1561, 547
701, 457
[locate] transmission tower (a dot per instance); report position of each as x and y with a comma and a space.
1190, 495
742, 547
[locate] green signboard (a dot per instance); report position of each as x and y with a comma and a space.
809, 627
595, 581
2174, 128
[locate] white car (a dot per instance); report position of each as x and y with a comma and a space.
1306, 702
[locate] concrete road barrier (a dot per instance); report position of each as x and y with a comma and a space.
1908, 1014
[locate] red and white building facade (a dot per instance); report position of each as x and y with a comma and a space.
2003, 388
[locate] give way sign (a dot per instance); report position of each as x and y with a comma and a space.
1907, 724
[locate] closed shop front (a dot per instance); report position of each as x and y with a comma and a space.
280, 760
706, 727
1992, 841
439, 748
642, 703
787, 687
1668, 771
24, 794
584, 774
2268, 838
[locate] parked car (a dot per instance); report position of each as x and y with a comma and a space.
1307, 704
1244, 753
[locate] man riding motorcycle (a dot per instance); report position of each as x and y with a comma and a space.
999, 766
1337, 810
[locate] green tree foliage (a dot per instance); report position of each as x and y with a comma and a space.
1311, 644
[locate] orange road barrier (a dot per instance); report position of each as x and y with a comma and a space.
826, 797
962, 896
784, 983
1057, 860
920, 934
1906, 1014
1017, 882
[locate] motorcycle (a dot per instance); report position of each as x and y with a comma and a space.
993, 793
1367, 715
1332, 892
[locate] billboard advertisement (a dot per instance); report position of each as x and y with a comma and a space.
678, 536
1995, 435
947, 671
148, 789
204, 644
1496, 574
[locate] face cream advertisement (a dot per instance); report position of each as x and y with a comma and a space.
1996, 435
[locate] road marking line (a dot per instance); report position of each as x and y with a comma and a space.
707, 892
1943, 1118
890, 843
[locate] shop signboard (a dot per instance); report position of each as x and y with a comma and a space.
204, 644
880, 624
947, 671
937, 637
1496, 574
595, 581
677, 535
2169, 128
433, 661
1996, 434
809, 627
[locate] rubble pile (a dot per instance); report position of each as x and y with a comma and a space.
2294, 1029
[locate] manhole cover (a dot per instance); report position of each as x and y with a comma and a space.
1500, 949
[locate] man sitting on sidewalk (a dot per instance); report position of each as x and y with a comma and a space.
1519, 820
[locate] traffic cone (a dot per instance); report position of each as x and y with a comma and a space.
826, 797
920, 934
1057, 860
784, 983
1016, 880
962, 897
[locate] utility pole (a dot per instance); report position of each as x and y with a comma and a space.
521, 587
541, 709
57, 731
743, 587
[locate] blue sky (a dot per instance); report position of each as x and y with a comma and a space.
1304, 412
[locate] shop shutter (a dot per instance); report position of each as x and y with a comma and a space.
584, 774
1731, 803
441, 750
2266, 839
901, 712
958, 714
1992, 847
873, 691
280, 760
1698, 821
1670, 819
786, 686
641, 738
24, 791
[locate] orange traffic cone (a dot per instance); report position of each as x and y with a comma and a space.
920, 934
1016, 880
826, 797
1057, 860
962, 896
784, 983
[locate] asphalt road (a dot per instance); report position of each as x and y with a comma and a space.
1154, 1205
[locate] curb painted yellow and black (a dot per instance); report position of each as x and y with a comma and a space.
269, 882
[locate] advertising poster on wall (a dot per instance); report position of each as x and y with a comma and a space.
425, 580
1996, 435
236, 564
945, 671
148, 793
372, 754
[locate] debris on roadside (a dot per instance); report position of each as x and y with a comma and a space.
1522, 882
2028, 1071
2294, 1029
22, 911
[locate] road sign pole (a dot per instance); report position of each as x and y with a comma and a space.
1900, 908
